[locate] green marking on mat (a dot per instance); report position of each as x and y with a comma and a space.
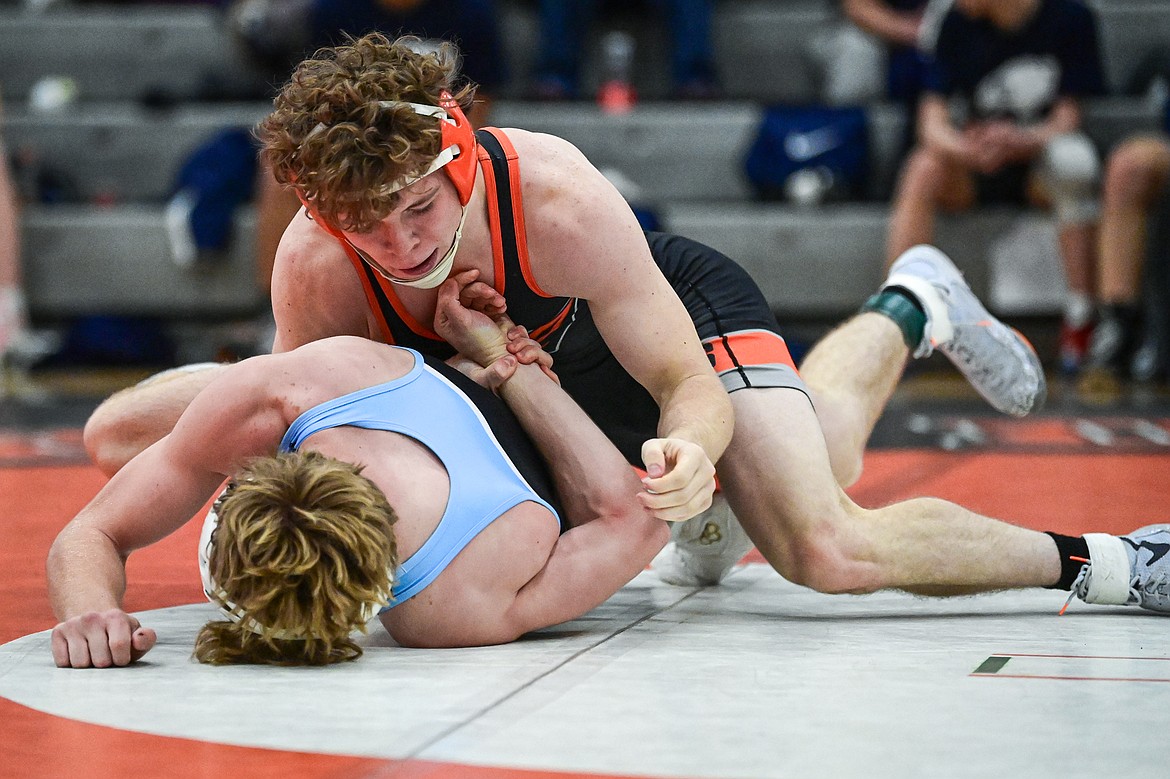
991, 665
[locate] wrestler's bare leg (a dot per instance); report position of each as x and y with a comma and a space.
851, 373
134, 418
777, 477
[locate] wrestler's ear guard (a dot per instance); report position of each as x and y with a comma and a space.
458, 134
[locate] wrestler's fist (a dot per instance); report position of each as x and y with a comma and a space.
100, 639
680, 479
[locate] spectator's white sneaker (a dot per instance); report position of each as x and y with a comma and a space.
999, 362
1132, 570
703, 549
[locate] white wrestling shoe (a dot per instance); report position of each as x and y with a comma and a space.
998, 362
1132, 570
702, 549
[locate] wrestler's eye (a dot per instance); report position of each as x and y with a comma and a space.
422, 209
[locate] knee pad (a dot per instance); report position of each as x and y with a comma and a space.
1070, 169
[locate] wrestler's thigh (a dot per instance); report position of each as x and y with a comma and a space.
776, 472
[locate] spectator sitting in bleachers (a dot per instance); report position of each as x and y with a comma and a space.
19, 344
13, 314
1020, 69
1135, 186
564, 25
278, 33
875, 53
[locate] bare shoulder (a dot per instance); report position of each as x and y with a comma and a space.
246, 409
316, 292
549, 162
323, 367
467, 605
304, 242
568, 205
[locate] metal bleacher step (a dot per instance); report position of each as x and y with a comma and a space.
823, 262
120, 53
119, 151
116, 260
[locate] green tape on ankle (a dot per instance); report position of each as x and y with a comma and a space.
903, 311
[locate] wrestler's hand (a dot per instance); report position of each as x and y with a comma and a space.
100, 640
680, 480
527, 350
492, 377
471, 332
482, 338
480, 297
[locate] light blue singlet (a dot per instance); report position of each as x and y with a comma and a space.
426, 406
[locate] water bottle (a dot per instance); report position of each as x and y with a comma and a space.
616, 95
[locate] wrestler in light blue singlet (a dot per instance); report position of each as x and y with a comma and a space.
426, 406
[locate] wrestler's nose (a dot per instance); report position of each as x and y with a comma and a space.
398, 238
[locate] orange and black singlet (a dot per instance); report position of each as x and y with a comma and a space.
732, 317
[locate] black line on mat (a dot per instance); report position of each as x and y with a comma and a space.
505, 698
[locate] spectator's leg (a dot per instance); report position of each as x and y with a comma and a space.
692, 61
563, 26
928, 182
1135, 179
1069, 173
12, 304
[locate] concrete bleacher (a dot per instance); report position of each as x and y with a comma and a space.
117, 151
687, 158
120, 52
115, 260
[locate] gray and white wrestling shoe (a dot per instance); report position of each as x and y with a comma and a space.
703, 549
1132, 570
998, 362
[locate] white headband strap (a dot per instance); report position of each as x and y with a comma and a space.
445, 156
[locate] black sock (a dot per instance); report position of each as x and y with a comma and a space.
1074, 551
903, 309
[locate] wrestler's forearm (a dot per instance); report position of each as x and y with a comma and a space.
698, 410
591, 476
85, 571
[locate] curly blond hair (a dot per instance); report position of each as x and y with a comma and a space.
330, 139
304, 547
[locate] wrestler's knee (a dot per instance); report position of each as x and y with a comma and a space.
129, 421
824, 555
106, 436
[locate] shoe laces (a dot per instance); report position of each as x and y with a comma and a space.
1080, 586
1156, 586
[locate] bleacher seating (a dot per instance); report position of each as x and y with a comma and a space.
120, 152
120, 52
686, 157
81, 260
